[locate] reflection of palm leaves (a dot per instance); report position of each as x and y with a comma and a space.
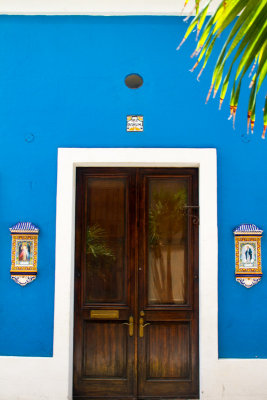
96, 243
166, 219
166, 215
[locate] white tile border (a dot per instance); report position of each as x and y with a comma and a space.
97, 7
30, 378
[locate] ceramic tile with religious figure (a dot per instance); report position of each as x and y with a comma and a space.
24, 252
248, 270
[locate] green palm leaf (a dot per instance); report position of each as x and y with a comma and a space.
246, 44
96, 242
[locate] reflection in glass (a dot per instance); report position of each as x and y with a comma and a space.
167, 256
105, 241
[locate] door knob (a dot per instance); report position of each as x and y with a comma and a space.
131, 325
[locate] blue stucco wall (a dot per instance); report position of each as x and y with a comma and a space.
62, 85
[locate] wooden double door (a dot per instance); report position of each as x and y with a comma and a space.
136, 284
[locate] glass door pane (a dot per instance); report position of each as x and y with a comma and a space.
167, 241
106, 240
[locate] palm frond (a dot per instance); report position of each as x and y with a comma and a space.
246, 44
96, 243
166, 215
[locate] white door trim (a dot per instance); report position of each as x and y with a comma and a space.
205, 160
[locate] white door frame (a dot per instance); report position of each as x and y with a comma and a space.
205, 160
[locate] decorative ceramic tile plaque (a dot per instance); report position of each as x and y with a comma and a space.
248, 270
24, 252
135, 123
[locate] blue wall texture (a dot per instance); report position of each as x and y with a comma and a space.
62, 85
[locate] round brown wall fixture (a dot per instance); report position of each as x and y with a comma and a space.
133, 81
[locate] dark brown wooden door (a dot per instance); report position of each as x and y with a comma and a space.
136, 284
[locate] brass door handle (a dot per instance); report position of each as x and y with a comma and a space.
131, 325
142, 326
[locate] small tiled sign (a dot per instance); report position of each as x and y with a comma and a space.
248, 270
135, 123
24, 252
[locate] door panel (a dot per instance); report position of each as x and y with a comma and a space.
104, 283
168, 284
168, 354
104, 349
136, 284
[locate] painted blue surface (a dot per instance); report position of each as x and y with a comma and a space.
62, 85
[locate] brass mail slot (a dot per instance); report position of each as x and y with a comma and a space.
104, 314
